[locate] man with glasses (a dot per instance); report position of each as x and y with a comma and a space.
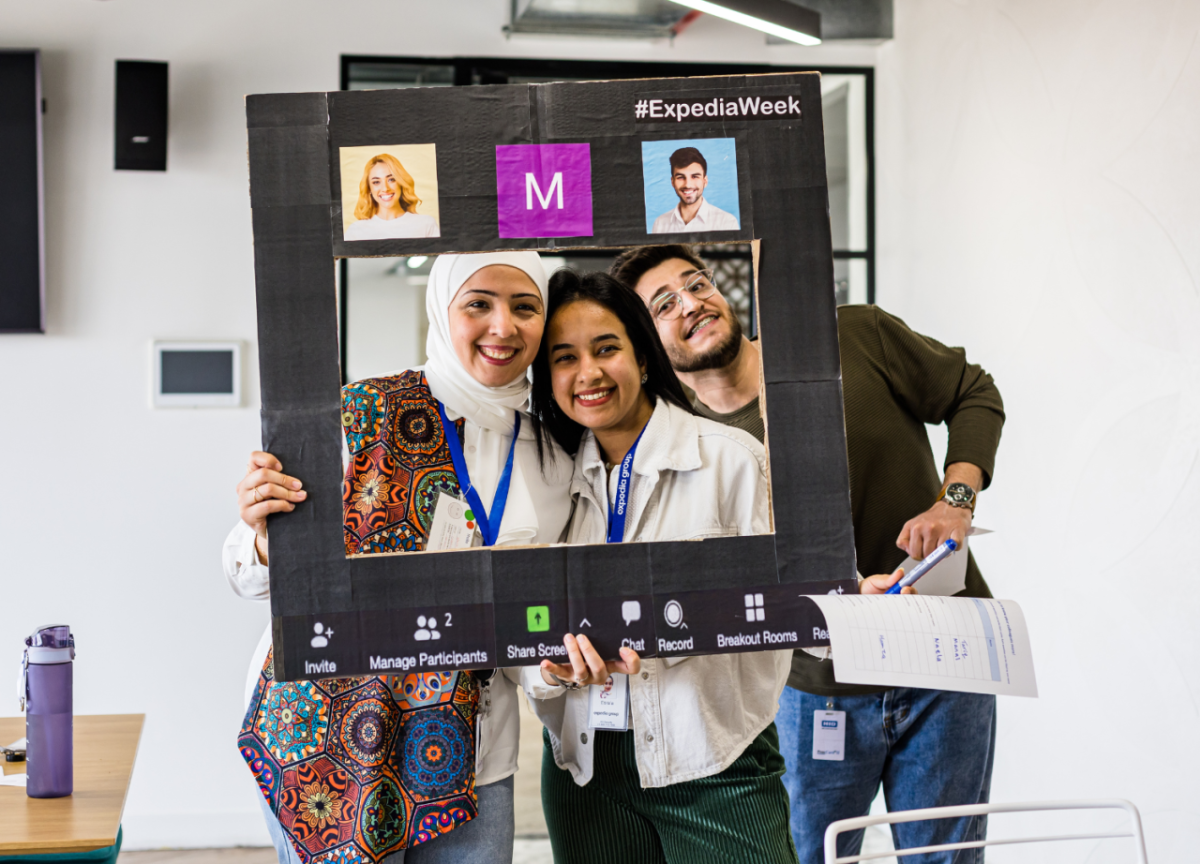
928, 748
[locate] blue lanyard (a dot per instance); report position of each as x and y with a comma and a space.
618, 509
489, 523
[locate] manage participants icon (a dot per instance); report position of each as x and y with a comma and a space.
544, 190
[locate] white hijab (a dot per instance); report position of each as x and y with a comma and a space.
489, 410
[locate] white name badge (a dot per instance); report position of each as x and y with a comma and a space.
608, 704
829, 735
453, 527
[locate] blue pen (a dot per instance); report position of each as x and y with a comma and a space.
924, 566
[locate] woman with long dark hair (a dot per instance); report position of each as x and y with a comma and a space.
695, 775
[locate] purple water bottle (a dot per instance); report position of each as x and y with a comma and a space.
47, 702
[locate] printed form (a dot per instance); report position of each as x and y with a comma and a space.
941, 643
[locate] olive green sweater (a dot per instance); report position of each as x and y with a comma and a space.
894, 381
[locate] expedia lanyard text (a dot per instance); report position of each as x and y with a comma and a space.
752, 107
623, 489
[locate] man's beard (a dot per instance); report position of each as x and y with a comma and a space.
717, 357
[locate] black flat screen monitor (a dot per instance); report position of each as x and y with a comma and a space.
22, 262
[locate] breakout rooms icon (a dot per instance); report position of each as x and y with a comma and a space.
544, 190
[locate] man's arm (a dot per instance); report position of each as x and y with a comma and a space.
937, 384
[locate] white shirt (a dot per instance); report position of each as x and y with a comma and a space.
692, 716
707, 218
408, 225
498, 728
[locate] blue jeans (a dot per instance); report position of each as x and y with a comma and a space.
929, 748
486, 839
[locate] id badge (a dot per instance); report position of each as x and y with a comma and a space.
829, 735
608, 704
453, 527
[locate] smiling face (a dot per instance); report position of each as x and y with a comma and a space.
384, 186
689, 182
595, 373
706, 335
496, 323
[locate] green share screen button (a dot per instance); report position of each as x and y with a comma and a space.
538, 618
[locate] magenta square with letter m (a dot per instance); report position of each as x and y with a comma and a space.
544, 190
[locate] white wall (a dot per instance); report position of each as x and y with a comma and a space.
111, 514
386, 319
1037, 178
1039, 172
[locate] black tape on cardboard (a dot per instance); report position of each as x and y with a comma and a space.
479, 608
811, 486
465, 125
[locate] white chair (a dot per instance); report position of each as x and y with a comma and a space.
844, 825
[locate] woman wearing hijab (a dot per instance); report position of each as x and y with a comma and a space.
449, 431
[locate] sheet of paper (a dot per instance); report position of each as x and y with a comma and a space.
948, 577
941, 643
13, 780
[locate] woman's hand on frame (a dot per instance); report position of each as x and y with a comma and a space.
264, 490
586, 666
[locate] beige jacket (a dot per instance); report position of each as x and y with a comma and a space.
692, 716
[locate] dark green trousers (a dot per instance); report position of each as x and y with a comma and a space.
739, 815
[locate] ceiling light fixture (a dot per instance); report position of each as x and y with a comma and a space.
417, 260
775, 17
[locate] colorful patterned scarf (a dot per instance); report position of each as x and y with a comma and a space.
358, 768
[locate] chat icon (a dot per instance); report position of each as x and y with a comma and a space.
631, 610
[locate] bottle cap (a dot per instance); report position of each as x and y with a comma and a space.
53, 643
51, 636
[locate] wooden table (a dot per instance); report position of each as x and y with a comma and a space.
105, 748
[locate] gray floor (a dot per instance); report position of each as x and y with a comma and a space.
531, 846
527, 784
525, 851
239, 855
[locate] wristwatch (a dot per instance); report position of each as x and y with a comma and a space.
959, 495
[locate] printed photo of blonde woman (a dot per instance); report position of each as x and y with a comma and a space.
387, 204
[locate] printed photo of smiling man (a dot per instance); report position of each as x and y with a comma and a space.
700, 186
389, 192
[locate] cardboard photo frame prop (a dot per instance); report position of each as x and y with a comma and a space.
337, 616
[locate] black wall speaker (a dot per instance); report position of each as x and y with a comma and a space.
141, 116
22, 262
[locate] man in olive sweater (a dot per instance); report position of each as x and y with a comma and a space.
928, 748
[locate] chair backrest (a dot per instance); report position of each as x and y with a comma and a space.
844, 825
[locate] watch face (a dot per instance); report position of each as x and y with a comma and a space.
959, 493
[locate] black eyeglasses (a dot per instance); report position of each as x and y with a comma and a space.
669, 305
